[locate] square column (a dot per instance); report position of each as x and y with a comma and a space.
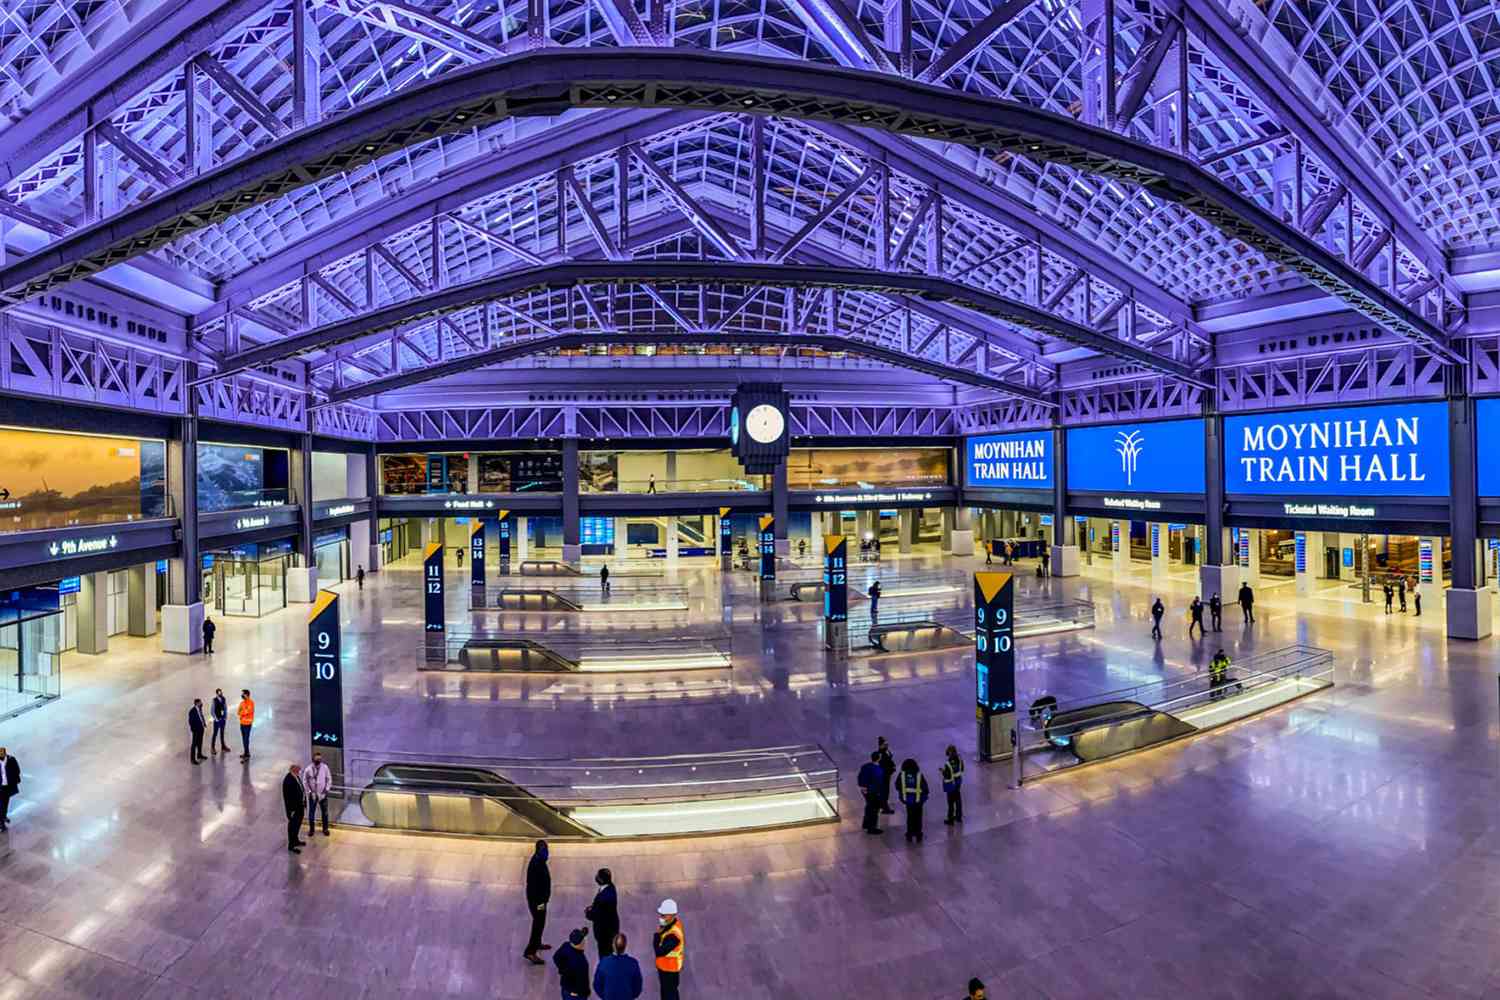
364, 536
572, 551
302, 584
182, 617
1309, 561
93, 613
905, 529
622, 538
141, 593
945, 545
1161, 549
522, 540
1119, 544
779, 510
1066, 558
963, 533
672, 546
1430, 573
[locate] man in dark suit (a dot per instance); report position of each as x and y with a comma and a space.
10, 784
295, 801
538, 895
196, 726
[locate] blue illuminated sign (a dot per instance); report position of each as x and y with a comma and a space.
70, 585
1161, 457
1398, 449
1009, 461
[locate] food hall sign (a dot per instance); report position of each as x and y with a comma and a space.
1362, 451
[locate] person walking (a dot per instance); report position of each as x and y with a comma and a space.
220, 711
458, 554
1401, 592
196, 725
874, 595
1390, 595
670, 944
247, 719
1195, 618
359, 577
1247, 603
295, 800
538, 894
317, 782
651, 483
604, 912
888, 772
1417, 597
1046, 560
209, 628
618, 976
573, 966
10, 785
1010, 553
912, 790
1216, 612
1157, 610
989, 552
953, 783
871, 784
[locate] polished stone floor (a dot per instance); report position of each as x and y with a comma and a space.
1340, 846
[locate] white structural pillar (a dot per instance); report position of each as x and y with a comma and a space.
1119, 541
904, 529
963, 533
364, 534
622, 537
93, 613
1307, 561
1159, 536
945, 543
671, 529
182, 615
522, 541
141, 585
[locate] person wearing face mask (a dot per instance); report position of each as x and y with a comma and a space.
538, 893
670, 943
317, 780
604, 912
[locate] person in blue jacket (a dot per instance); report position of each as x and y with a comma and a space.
618, 976
872, 785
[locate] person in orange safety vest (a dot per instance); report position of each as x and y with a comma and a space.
247, 719
669, 942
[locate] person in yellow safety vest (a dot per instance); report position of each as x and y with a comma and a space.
669, 943
953, 782
912, 790
1218, 670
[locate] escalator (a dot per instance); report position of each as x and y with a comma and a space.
512, 599
511, 656
446, 798
914, 637
807, 590
1112, 728
547, 567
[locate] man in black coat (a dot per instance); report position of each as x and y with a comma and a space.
1247, 603
196, 725
872, 784
295, 801
10, 784
604, 912
538, 893
220, 712
573, 966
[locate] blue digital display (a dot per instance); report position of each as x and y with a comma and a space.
1161, 457
1487, 439
1390, 450
1009, 461
596, 530
70, 585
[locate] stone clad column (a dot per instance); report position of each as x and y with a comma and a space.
182, 616
1219, 573
572, 551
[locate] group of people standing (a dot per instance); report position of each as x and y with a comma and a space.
303, 790
1396, 587
911, 788
1245, 598
617, 975
1006, 550
198, 725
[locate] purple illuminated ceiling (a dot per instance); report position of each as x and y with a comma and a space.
1073, 206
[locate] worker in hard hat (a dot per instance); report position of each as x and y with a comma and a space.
669, 942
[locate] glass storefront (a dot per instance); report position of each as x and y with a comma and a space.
248, 581
331, 553
398, 536
54, 480
30, 658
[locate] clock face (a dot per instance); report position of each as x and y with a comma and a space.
764, 423
734, 425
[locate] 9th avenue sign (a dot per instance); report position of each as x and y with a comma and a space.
67, 548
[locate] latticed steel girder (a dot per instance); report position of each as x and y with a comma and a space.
546, 83
666, 272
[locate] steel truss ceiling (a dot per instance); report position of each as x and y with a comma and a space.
1111, 165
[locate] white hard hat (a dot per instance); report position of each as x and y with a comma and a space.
668, 908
